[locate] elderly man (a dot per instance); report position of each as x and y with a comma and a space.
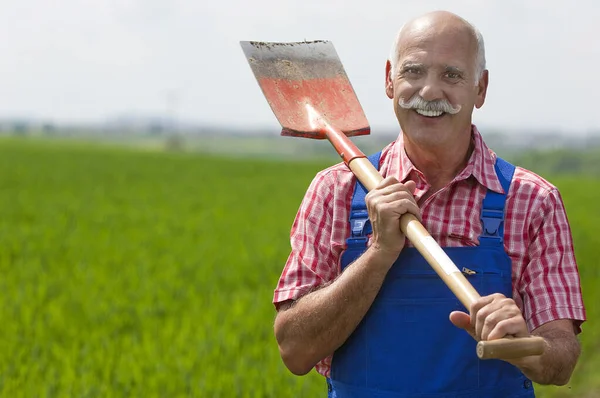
363, 307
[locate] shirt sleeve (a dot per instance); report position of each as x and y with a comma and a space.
313, 260
550, 285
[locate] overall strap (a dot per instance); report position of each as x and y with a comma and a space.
492, 213
359, 217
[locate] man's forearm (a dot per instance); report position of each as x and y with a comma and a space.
314, 326
557, 363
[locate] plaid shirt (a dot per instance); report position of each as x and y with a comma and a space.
537, 235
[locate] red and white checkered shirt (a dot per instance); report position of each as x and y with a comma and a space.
537, 235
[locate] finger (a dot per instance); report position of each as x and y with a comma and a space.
386, 182
483, 301
411, 186
391, 182
500, 310
463, 321
393, 188
398, 202
487, 317
476, 308
391, 196
413, 208
486, 323
398, 194
514, 326
393, 210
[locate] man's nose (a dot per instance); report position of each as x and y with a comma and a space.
432, 89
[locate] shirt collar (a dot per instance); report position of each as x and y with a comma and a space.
480, 164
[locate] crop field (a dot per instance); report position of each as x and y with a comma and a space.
128, 273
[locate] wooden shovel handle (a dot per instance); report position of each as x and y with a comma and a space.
511, 347
505, 348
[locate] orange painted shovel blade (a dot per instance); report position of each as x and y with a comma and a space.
304, 79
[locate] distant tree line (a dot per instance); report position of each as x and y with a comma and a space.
559, 161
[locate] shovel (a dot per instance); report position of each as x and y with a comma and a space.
310, 94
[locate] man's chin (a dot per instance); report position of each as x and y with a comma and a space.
426, 126
427, 133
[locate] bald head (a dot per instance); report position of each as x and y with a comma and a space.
434, 24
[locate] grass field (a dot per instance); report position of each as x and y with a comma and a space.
142, 274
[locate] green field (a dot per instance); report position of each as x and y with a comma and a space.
147, 274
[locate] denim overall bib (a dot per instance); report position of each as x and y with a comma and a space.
406, 346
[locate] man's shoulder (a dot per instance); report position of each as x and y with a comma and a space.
531, 191
525, 179
338, 173
335, 170
333, 180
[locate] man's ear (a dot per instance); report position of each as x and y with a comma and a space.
389, 85
482, 89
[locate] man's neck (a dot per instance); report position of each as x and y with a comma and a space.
440, 164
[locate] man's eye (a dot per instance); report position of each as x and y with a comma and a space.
453, 75
412, 71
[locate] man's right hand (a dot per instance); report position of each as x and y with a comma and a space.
386, 204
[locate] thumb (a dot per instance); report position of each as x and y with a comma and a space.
463, 321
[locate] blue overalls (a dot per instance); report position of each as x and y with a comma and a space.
406, 346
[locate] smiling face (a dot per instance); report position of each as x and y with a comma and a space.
433, 84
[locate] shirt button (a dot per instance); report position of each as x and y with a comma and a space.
527, 384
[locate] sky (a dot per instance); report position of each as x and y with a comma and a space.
90, 60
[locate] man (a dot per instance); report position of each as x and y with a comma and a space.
368, 312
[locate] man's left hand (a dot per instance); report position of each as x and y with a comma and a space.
492, 317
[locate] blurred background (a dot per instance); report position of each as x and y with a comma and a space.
146, 196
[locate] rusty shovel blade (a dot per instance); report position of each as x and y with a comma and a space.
306, 86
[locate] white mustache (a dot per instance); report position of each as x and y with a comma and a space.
417, 102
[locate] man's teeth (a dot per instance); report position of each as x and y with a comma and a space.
428, 113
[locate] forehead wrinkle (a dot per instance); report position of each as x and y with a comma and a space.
427, 56
453, 68
410, 62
